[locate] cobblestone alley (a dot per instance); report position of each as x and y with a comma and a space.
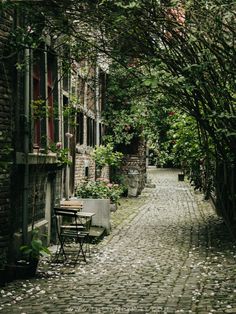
169, 254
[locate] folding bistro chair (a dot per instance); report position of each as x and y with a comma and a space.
85, 220
72, 203
69, 230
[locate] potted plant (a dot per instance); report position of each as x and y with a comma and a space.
31, 253
2, 267
97, 196
100, 189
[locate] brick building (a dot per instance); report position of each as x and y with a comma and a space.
6, 133
47, 117
50, 120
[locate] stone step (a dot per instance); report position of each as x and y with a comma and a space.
96, 231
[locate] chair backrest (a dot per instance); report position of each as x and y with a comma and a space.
65, 212
71, 204
66, 217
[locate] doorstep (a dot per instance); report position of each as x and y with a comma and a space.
96, 232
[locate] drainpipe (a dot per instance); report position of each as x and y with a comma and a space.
46, 94
26, 146
67, 187
67, 184
67, 170
97, 105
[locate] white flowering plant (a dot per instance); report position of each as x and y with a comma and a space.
101, 188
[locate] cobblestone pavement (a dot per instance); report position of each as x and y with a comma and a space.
170, 254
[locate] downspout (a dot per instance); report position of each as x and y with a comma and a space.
67, 170
26, 146
97, 106
67, 187
85, 105
46, 94
61, 120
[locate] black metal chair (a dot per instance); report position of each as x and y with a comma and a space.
69, 230
85, 220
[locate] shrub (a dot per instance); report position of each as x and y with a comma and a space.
106, 156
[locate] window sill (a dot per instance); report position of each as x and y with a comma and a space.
36, 158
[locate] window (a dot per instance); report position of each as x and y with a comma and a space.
101, 133
91, 132
102, 90
36, 106
50, 114
86, 172
90, 98
44, 96
66, 121
80, 128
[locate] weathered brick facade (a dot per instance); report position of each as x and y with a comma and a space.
6, 131
32, 180
85, 168
38, 190
92, 103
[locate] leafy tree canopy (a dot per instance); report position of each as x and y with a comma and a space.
180, 54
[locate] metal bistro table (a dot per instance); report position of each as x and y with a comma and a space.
78, 229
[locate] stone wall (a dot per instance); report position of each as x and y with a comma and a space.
134, 170
5, 133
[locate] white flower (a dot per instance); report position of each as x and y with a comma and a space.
69, 135
29, 29
59, 145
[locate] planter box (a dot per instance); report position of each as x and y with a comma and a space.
3, 279
101, 208
21, 270
181, 177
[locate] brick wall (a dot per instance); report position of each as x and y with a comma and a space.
5, 132
11, 140
84, 160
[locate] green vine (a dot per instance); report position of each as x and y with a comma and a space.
62, 153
